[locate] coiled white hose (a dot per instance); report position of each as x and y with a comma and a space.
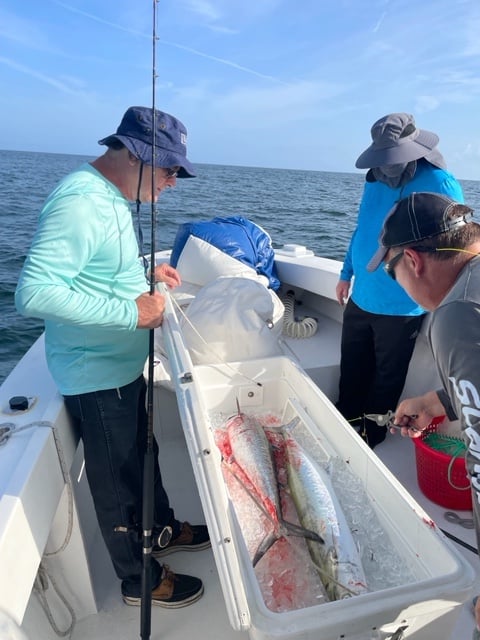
293, 328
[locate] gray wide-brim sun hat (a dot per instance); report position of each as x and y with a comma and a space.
136, 133
396, 140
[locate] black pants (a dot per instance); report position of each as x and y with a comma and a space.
112, 424
375, 354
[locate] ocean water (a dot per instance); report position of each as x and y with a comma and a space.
313, 208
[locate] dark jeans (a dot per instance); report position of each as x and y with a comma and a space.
112, 424
375, 354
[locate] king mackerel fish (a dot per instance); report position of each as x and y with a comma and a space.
338, 559
254, 469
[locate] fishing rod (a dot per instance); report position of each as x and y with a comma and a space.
148, 468
459, 541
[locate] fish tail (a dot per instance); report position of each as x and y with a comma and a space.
267, 542
297, 530
291, 425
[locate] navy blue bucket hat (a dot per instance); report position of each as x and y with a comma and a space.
135, 132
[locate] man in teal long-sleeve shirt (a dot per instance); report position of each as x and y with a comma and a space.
381, 321
83, 277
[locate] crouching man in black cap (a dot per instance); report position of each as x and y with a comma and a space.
430, 245
82, 276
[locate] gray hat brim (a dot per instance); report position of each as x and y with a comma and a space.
164, 159
405, 150
377, 258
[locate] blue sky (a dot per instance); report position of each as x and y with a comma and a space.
270, 83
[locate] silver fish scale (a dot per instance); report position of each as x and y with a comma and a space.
251, 451
338, 557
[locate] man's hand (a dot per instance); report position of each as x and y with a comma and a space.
341, 290
416, 414
167, 274
150, 310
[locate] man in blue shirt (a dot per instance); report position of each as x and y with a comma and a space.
381, 321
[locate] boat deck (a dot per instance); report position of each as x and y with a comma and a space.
208, 617
398, 455
205, 619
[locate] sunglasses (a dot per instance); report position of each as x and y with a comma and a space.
172, 172
389, 267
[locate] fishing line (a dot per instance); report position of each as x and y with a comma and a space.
209, 347
249, 493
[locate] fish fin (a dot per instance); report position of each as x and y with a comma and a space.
335, 589
291, 425
297, 530
267, 542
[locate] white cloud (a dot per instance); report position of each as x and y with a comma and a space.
204, 8
424, 104
471, 46
379, 22
23, 32
68, 85
254, 108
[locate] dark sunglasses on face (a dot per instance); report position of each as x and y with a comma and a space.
389, 267
172, 172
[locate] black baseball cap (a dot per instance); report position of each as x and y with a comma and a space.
417, 217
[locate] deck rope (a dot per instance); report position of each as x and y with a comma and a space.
40, 587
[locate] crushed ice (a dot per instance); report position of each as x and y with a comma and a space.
286, 576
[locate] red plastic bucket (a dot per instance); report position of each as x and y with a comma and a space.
443, 480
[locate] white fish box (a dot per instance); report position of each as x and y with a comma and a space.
422, 604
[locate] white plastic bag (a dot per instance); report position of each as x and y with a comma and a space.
231, 319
